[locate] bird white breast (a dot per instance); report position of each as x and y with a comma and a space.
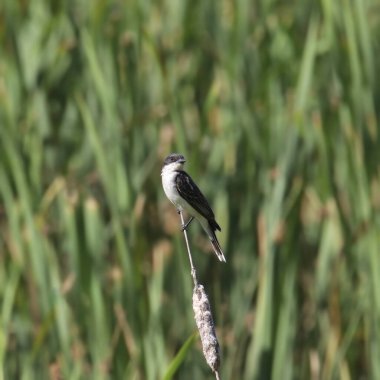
168, 175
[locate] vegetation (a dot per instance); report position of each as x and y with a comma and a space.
275, 106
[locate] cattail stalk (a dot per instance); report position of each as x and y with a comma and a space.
203, 317
205, 324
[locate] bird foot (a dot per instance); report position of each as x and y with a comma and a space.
184, 226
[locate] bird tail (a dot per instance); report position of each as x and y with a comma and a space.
214, 241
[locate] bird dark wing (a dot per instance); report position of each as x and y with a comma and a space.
191, 193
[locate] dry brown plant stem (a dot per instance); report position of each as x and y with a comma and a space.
193, 271
203, 316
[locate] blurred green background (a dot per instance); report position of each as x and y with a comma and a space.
275, 106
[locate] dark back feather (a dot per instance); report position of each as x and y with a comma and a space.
191, 193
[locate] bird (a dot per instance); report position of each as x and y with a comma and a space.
182, 191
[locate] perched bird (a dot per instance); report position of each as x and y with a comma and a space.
185, 195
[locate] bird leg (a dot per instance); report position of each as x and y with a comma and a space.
184, 226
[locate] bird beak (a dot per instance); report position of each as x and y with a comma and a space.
182, 161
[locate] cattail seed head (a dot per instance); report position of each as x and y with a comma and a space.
205, 324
